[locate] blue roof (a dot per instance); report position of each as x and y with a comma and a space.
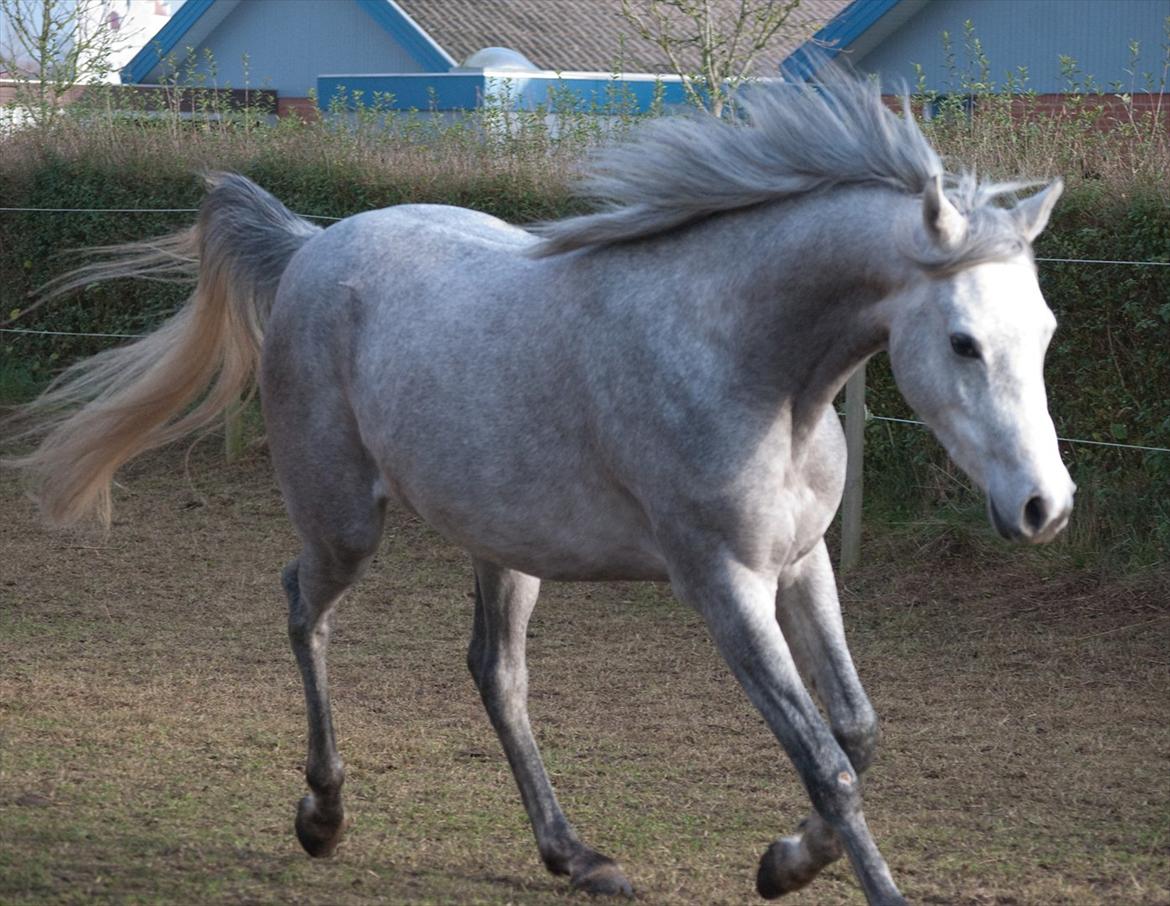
840, 31
387, 14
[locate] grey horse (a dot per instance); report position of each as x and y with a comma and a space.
640, 393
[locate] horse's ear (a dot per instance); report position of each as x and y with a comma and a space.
1032, 213
944, 223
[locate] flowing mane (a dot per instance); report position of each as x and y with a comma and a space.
795, 139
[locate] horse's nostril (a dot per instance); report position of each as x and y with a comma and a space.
1035, 514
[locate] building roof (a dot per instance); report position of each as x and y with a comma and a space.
584, 35
557, 35
842, 30
1022, 45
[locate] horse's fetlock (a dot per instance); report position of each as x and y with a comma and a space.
596, 874
557, 863
557, 854
326, 780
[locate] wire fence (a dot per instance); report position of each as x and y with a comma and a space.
5, 210
71, 333
1068, 440
326, 217
329, 217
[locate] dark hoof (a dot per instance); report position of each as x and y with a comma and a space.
784, 867
601, 876
319, 830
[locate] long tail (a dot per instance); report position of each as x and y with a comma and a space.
107, 409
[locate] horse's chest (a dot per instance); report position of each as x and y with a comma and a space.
811, 511
788, 499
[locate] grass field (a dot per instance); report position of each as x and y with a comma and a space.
151, 727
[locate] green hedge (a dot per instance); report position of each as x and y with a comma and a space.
36, 246
1108, 370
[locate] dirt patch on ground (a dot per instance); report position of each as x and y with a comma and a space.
151, 727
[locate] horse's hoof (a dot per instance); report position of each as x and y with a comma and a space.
784, 867
319, 830
601, 876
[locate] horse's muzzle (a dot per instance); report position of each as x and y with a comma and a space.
1038, 521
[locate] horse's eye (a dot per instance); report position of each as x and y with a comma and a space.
966, 346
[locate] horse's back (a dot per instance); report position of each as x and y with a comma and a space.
384, 266
446, 224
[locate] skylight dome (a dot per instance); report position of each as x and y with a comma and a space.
498, 58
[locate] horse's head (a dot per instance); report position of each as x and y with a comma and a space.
967, 348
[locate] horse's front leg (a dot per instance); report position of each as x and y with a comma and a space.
810, 617
739, 607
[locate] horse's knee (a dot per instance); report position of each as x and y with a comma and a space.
859, 738
834, 788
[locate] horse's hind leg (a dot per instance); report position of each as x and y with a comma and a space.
503, 603
810, 617
340, 523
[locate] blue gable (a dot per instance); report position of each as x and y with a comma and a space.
402, 28
890, 38
196, 19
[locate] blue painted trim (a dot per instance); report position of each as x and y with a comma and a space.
467, 91
164, 41
407, 33
419, 92
840, 31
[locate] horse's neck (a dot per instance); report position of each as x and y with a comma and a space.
813, 272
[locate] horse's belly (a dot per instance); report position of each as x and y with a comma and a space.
580, 532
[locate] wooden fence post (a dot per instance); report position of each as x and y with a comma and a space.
233, 431
855, 445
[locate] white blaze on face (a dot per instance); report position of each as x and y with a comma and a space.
968, 355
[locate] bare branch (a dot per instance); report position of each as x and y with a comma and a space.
728, 41
54, 45
768, 29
